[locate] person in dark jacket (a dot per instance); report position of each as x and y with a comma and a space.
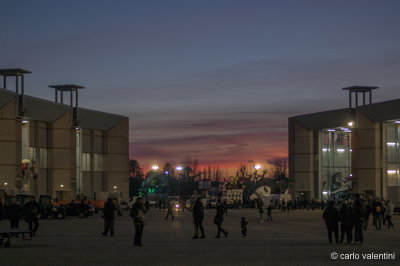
137, 213
346, 223
358, 218
1, 209
109, 217
31, 209
269, 212
226, 207
198, 216
330, 216
377, 214
219, 217
14, 213
260, 206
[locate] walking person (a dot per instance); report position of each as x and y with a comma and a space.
389, 213
14, 213
346, 223
137, 213
260, 206
198, 216
377, 214
219, 217
269, 212
243, 225
226, 207
109, 217
358, 213
330, 216
169, 210
31, 209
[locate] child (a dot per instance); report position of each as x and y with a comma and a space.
243, 225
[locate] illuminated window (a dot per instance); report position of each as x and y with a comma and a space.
86, 162
393, 154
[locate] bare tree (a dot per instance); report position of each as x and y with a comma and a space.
279, 166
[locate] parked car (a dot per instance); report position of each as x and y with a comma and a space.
47, 208
81, 210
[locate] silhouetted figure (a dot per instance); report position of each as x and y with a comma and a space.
243, 225
1, 210
377, 214
330, 216
170, 208
137, 213
109, 217
31, 210
389, 213
260, 206
346, 223
226, 207
358, 218
14, 213
269, 212
219, 218
198, 216
183, 205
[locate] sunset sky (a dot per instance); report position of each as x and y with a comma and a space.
212, 80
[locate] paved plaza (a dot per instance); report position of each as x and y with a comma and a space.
295, 238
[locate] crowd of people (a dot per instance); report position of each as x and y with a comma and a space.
345, 220
355, 216
29, 211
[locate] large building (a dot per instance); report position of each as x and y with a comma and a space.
345, 151
52, 148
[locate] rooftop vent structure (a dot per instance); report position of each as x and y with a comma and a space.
18, 73
59, 97
358, 90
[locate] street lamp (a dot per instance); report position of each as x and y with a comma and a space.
179, 168
257, 167
350, 124
155, 167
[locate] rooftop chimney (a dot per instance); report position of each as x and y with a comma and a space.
358, 90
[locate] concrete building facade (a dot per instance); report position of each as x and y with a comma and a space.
337, 153
50, 148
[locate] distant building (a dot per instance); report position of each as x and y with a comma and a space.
61, 150
352, 150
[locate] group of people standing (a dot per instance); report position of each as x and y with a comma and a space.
355, 215
29, 211
137, 213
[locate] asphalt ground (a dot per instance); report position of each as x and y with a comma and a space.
294, 238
